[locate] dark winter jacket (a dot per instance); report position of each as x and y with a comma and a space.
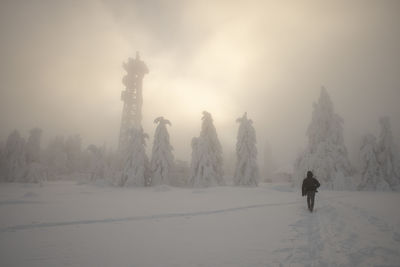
309, 184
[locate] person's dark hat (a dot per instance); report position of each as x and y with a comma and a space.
309, 174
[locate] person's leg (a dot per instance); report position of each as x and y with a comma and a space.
308, 200
312, 197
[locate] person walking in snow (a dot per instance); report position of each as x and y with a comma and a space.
309, 188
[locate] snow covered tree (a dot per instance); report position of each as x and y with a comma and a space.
97, 165
194, 164
371, 170
388, 155
246, 171
73, 150
36, 172
33, 146
2, 163
206, 164
229, 161
162, 160
56, 157
269, 165
136, 166
180, 173
326, 155
15, 157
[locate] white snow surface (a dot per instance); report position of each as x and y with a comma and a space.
66, 224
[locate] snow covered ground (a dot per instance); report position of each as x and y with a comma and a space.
65, 224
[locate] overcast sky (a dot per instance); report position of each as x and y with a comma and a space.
61, 67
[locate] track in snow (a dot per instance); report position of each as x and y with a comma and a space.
139, 218
338, 234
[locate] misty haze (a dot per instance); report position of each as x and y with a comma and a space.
199, 133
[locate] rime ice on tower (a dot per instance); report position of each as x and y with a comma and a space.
132, 98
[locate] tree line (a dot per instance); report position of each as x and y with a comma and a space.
325, 154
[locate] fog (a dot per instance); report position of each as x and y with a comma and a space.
61, 67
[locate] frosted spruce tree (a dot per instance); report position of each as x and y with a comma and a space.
326, 154
56, 158
2, 163
162, 159
73, 150
371, 170
33, 146
97, 164
269, 165
246, 171
388, 155
15, 157
206, 164
36, 172
136, 166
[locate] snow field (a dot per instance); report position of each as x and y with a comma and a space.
64, 224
